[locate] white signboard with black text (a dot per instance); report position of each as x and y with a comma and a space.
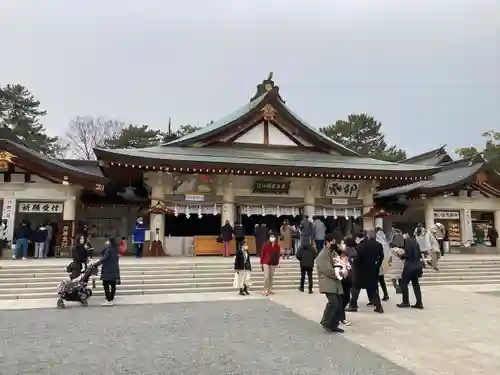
41, 207
8, 214
341, 189
447, 215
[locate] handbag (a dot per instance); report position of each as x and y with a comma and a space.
219, 239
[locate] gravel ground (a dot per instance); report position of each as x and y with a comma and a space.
247, 337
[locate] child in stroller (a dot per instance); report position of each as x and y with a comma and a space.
76, 288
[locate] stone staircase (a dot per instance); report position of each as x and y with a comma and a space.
39, 278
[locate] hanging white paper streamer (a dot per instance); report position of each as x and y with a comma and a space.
278, 212
325, 214
335, 214
188, 215
200, 213
176, 211
215, 210
263, 210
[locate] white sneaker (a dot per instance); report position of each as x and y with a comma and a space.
14, 257
111, 303
24, 258
106, 303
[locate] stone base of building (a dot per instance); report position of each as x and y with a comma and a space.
479, 250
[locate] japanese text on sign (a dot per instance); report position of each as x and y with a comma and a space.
41, 207
341, 189
447, 215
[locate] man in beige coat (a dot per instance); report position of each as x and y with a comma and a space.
286, 232
330, 274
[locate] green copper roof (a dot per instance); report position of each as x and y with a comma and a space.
251, 157
448, 177
217, 125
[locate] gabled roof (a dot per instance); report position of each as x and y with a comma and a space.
434, 157
52, 169
242, 116
452, 175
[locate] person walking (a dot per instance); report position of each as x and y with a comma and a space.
440, 235
369, 256
261, 236
79, 254
242, 270
412, 271
306, 255
330, 275
396, 263
226, 235
319, 232
269, 260
39, 237
492, 235
286, 232
381, 239
22, 237
110, 272
239, 235
306, 231
48, 240
435, 248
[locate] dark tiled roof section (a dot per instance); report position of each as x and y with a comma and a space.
431, 158
452, 174
87, 166
264, 157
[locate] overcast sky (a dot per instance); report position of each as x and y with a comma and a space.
428, 70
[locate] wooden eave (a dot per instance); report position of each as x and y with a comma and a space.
54, 171
145, 164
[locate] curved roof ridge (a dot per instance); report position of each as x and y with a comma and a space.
423, 155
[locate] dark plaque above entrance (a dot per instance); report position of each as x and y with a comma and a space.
271, 187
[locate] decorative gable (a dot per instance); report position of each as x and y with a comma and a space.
253, 136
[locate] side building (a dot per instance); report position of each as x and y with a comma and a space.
464, 196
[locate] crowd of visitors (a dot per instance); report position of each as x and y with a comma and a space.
345, 266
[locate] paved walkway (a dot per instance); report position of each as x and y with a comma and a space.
458, 332
210, 338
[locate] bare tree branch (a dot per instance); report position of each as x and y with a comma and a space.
85, 133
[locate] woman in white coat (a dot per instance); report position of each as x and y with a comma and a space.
396, 262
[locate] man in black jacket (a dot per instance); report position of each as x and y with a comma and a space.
412, 271
366, 264
239, 235
306, 255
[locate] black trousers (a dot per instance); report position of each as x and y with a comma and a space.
493, 242
381, 282
239, 242
346, 296
109, 290
309, 272
371, 291
416, 289
441, 247
333, 311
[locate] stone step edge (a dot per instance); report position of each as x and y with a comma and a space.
254, 289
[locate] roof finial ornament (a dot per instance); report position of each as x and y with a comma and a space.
266, 86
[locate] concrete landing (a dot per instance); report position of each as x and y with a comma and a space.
458, 333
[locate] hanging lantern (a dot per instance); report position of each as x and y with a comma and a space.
176, 211
325, 215
200, 213
215, 210
335, 214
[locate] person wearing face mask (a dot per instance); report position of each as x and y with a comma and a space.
331, 270
110, 272
269, 260
242, 269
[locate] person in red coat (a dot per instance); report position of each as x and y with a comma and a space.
269, 260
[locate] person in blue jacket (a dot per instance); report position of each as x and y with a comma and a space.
138, 235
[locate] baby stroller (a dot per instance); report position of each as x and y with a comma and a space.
77, 289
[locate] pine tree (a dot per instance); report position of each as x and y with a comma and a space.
362, 133
21, 112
